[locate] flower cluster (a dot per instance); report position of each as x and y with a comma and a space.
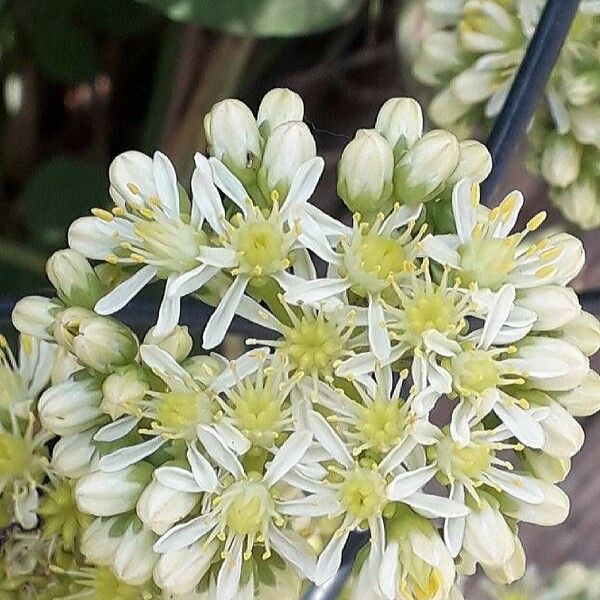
470, 51
424, 390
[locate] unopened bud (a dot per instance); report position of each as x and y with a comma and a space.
233, 137
34, 315
134, 559
400, 121
123, 391
288, 147
475, 163
178, 343
365, 173
546, 467
279, 106
74, 279
426, 167
561, 161
72, 455
584, 400
97, 544
583, 332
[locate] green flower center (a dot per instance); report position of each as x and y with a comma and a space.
313, 345
382, 256
258, 414
247, 507
487, 261
474, 372
466, 462
362, 493
15, 456
180, 412
381, 425
262, 247
106, 586
429, 310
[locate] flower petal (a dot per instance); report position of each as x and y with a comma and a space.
117, 298
287, 457
406, 484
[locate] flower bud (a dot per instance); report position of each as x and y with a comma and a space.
583, 332
579, 203
581, 89
179, 572
74, 279
365, 173
552, 511
546, 467
103, 343
475, 162
440, 53
204, 368
64, 365
511, 570
561, 161
425, 168
73, 454
97, 545
279, 106
66, 325
572, 257
134, 559
233, 137
105, 494
178, 343
584, 400
554, 305
447, 109
288, 147
123, 390
34, 315
400, 122
72, 406
487, 26
160, 507
585, 124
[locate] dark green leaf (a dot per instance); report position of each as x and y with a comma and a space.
260, 17
61, 190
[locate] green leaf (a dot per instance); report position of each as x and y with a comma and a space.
260, 18
63, 52
61, 190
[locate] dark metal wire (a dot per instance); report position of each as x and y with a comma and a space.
528, 88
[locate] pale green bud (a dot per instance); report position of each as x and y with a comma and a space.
105, 494
475, 163
365, 172
546, 467
233, 137
134, 559
103, 343
554, 305
561, 161
583, 332
581, 89
72, 455
487, 26
160, 507
288, 147
178, 343
446, 108
74, 279
440, 53
97, 545
34, 315
579, 203
123, 391
512, 570
279, 106
66, 325
71, 406
425, 168
400, 121
585, 124
204, 368
584, 400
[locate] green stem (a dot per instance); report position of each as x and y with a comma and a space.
21, 256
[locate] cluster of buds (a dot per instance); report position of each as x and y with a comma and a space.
424, 390
469, 51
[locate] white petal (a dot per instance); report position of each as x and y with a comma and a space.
165, 366
303, 185
205, 194
178, 479
442, 249
400, 216
454, 529
437, 342
331, 558
220, 453
436, 506
239, 369
465, 214
460, 422
522, 487
203, 473
288, 456
316, 291
379, 338
329, 439
192, 280
220, 320
116, 429
292, 548
524, 427
230, 185
232, 438
406, 484
228, 579
315, 505
125, 291
185, 534
125, 457
395, 457
498, 312
223, 258
165, 180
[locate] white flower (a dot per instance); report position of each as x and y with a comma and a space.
247, 510
147, 230
371, 258
278, 106
400, 121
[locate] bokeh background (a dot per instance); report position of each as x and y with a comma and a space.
83, 80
